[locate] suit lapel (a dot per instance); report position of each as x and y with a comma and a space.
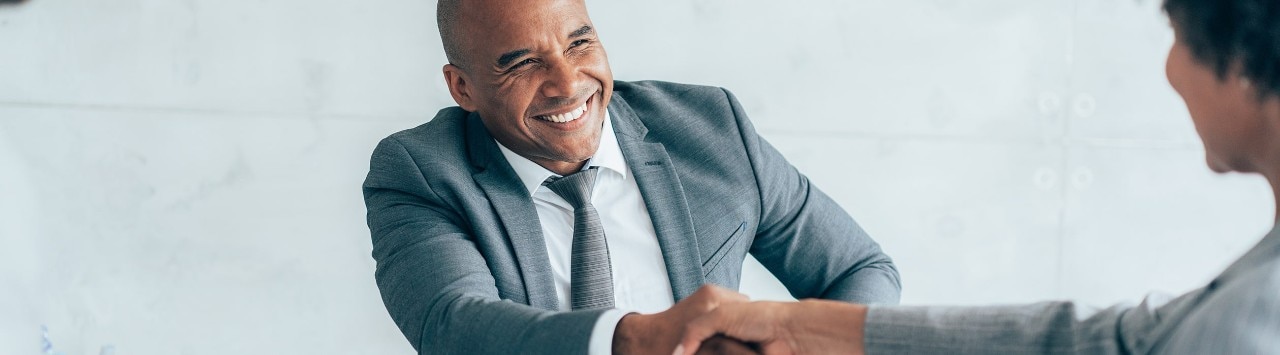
515, 209
664, 198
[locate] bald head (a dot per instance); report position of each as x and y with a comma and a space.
447, 13
460, 20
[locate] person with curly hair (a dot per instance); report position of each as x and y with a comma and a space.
1225, 63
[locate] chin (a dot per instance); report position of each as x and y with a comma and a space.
1222, 165
1215, 163
1218, 168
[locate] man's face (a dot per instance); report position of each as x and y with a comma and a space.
538, 76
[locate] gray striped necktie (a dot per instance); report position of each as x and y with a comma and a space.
590, 277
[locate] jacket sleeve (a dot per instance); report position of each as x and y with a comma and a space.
805, 239
434, 281
1040, 328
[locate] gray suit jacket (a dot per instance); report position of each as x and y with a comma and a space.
461, 262
1237, 313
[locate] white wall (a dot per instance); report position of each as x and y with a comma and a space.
183, 176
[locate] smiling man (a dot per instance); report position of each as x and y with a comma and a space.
555, 210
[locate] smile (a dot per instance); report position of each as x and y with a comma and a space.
570, 116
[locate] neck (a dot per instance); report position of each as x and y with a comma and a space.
1274, 180
1272, 174
560, 167
1268, 165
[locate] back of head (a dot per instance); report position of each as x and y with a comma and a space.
1240, 37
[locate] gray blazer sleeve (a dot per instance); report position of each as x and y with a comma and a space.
805, 239
1041, 328
433, 280
1237, 313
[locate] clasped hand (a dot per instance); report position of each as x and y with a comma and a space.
716, 320
805, 327
659, 333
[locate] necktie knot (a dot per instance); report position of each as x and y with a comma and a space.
574, 188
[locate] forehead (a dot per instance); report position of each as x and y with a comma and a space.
489, 26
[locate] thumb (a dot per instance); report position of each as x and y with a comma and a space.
695, 333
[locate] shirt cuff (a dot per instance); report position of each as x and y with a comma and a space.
601, 342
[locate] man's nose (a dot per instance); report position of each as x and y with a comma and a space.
561, 80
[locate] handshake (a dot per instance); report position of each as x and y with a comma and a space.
716, 320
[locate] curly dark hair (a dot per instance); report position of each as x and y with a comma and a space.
1231, 35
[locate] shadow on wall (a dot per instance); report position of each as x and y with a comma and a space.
11, 2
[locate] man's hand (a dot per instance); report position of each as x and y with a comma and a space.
659, 333
806, 327
722, 345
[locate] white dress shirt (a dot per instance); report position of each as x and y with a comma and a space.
641, 283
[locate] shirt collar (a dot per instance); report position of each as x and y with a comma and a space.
608, 157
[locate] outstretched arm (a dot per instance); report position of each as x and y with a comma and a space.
1042, 328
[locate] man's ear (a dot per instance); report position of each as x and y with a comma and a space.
459, 87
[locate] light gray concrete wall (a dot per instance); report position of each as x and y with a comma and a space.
183, 176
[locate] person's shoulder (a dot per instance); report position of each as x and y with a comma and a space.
1264, 281
440, 137
660, 87
664, 91
1263, 278
1237, 316
1251, 292
684, 105
675, 111
448, 122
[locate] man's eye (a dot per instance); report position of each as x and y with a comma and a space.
522, 63
579, 43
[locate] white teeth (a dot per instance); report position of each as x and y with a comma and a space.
567, 116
